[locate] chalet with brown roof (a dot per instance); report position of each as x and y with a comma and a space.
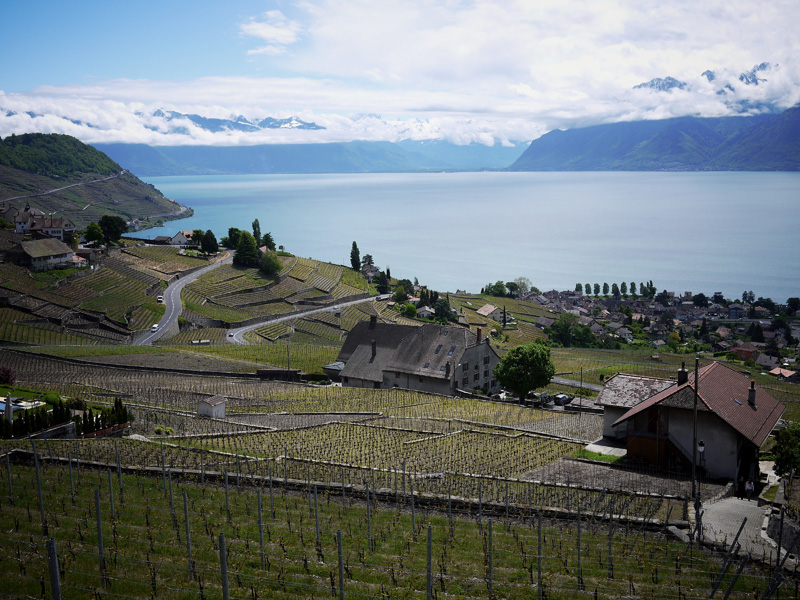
41, 255
734, 418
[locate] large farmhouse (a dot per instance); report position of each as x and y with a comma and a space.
431, 358
41, 255
734, 418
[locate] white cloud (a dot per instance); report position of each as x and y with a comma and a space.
275, 29
462, 70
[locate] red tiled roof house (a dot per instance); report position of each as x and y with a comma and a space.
734, 418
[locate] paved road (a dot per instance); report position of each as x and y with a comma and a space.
722, 519
236, 335
172, 302
577, 384
64, 188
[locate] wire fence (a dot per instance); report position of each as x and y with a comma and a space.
125, 534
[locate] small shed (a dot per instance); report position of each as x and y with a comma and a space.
213, 407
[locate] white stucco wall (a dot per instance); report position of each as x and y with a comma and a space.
720, 439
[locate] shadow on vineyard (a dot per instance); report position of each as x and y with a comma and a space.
256, 500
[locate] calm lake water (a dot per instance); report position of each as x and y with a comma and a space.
699, 232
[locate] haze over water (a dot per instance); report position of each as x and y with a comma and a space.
698, 232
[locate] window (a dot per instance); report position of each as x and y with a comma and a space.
476, 377
486, 374
465, 381
396, 374
452, 349
438, 348
486, 360
465, 366
427, 364
420, 378
441, 368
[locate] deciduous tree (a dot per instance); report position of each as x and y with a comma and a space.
787, 450
113, 227
94, 233
525, 368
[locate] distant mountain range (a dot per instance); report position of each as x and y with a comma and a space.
347, 157
768, 142
239, 123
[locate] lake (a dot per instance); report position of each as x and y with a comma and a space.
698, 232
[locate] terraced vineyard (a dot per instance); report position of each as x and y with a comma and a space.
232, 294
472, 447
166, 533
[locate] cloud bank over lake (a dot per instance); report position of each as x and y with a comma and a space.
465, 72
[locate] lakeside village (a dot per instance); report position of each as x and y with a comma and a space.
759, 332
397, 384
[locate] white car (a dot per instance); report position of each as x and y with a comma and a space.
154, 327
160, 299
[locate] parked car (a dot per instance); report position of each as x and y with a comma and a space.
160, 299
562, 399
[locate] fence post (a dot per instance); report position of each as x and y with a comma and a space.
188, 535
119, 470
8, 471
223, 565
71, 484
369, 522
271, 497
163, 468
580, 570
413, 512
227, 505
39, 488
52, 559
99, 529
491, 560
202, 470
316, 519
260, 528
450, 507
429, 579
539, 558
111, 494
341, 563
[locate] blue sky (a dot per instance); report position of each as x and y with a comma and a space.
468, 71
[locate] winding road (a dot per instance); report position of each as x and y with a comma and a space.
172, 302
236, 335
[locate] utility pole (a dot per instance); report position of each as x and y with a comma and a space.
694, 435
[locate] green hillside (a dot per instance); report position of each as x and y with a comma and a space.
54, 155
59, 174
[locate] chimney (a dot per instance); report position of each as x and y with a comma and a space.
480, 332
374, 348
683, 374
373, 321
447, 370
751, 394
